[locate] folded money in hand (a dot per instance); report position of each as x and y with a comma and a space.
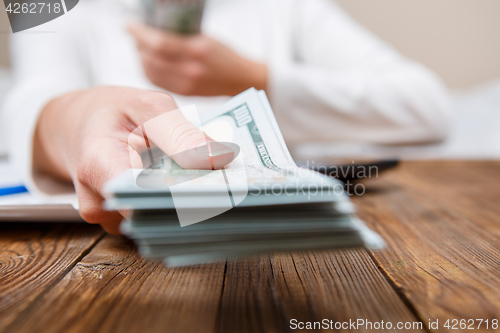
179, 16
259, 203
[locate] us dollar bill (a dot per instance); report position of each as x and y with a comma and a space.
248, 121
179, 16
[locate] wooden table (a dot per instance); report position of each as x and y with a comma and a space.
441, 222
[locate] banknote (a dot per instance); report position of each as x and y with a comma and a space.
180, 16
248, 121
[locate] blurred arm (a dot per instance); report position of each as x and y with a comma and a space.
45, 65
345, 84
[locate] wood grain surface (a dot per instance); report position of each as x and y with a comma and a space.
113, 289
265, 293
34, 258
440, 220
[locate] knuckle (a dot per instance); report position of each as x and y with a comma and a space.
93, 214
185, 87
195, 73
158, 45
200, 48
90, 214
193, 78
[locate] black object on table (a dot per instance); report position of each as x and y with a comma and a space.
349, 173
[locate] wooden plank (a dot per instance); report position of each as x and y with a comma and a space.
113, 289
266, 293
34, 257
441, 222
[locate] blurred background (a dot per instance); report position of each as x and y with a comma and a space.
458, 39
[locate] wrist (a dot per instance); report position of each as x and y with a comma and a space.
252, 74
257, 76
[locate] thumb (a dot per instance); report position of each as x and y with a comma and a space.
172, 134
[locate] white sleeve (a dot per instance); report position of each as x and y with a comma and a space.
344, 84
45, 65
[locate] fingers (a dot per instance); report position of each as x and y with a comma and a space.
181, 77
103, 160
159, 41
162, 72
173, 134
91, 210
161, 128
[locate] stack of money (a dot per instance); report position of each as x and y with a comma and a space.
261, 202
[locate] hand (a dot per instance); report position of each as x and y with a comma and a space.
195, 65
88, 136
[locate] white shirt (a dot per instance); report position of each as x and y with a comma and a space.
330, 80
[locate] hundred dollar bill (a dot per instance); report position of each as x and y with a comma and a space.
248, 121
